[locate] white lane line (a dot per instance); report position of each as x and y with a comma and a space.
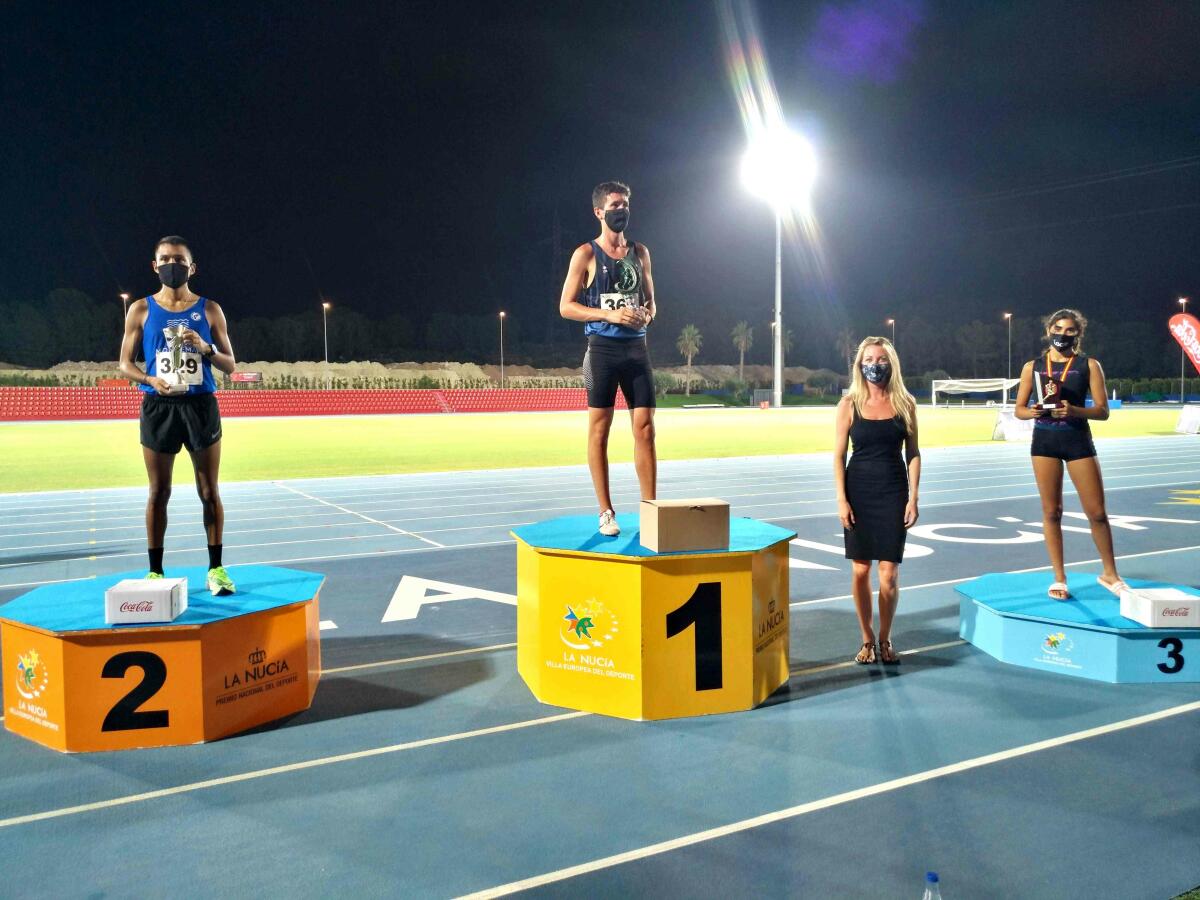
412, 659
341, 757
802, 809
929, 584
280, 770
360, 515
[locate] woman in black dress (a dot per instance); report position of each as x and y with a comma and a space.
877, 490
1062, 437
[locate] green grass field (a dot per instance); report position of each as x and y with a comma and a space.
46, 456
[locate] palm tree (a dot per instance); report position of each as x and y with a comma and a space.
688, 345
743, 339
846, 346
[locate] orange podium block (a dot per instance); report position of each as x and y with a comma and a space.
226, 664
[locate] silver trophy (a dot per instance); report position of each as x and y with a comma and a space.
174, 377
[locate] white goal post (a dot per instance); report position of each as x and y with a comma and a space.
972, 386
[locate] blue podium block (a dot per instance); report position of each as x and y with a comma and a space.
1009, 616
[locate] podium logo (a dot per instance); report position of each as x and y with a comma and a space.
32, 676
1058, 644
587, 626
256, 657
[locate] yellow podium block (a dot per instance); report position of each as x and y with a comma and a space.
227, 664
606, 626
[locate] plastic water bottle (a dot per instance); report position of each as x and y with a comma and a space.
933, 889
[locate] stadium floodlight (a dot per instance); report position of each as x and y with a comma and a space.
780, 168
1008, 318
325, 327
125, 303
502, 349
892, 322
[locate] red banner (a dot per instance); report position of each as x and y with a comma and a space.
1186, 329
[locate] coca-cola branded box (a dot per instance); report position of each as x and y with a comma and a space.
140, 600
1161, 607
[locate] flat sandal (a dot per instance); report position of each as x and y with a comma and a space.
866, 654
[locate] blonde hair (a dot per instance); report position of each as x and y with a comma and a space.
902, 401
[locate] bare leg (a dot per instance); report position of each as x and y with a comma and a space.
1085, 475
1049, 474
159, 467
889, 596
645, 457
599, 423
861, 589
207, 463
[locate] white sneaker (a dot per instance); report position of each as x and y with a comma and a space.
608, 524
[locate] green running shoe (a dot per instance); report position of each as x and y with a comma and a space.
219, 582
150, 575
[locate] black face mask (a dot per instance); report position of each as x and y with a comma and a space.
617, 219
877, 373
174, 275
1064, 342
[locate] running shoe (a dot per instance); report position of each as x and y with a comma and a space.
219, 582
608, 524
150, 575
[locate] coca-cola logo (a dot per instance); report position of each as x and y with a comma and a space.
137, 606
1180, 611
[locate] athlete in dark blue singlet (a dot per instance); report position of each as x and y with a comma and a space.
610, 288
1062, 436
179, 406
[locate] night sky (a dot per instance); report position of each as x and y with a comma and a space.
407, 157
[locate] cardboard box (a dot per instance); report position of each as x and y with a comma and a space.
673, 526
1161, 607
140, 600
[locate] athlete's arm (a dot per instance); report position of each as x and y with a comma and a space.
912, 453
569, 306
223, 358
135, 321
649, 308
1099, 408
1024, 389
841, 439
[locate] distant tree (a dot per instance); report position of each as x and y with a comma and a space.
688, 344
743, 340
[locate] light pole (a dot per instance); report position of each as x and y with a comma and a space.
892, 322
501, 349
125, 304
325, 327
780, 167
1182, 356
1008, 319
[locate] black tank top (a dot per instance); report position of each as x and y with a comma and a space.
1075, 388
876, 440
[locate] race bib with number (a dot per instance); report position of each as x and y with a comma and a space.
618, 300
190, 371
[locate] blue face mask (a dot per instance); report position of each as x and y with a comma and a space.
876, 373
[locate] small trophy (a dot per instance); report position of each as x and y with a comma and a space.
1046, 391
174, 376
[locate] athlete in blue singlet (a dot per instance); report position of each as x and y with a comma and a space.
1060, 381
609, 287
179, 406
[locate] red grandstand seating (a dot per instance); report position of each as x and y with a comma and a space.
48, 403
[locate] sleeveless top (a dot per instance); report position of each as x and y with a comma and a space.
877, 440
1075, 388
616, 284
195, 369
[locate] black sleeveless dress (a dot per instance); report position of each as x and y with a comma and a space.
877, 489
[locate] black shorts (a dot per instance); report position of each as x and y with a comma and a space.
1066, 444
615, 362
189, 420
